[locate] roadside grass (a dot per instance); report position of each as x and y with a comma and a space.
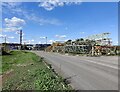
0, 65
29, 73
17, 57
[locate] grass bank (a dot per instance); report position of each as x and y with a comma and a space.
27, 71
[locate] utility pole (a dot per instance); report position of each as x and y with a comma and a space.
20, 39
46, 44
20, 36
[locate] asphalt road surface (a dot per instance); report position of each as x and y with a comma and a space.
85, 73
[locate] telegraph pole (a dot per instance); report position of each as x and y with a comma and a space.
20, 39
46, 44
20, 36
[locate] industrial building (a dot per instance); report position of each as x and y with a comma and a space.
94, 45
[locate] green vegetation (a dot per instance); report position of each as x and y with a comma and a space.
17, 57
0, 65
29, 72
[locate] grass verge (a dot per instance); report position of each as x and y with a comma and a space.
27, 71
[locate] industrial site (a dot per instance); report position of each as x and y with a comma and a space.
55, 45
93, 45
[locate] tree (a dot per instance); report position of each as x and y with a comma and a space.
77, 41
68, 42
81, 39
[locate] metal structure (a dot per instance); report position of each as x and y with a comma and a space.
74, 47
94, 45
101, 39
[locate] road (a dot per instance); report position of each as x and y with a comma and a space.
85, 73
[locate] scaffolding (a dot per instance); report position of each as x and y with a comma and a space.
101, 39
94, 45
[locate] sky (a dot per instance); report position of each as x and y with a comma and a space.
58, 21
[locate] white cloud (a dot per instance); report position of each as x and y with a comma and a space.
15, 8
82, 32
41, 20
17, 32
51, 4
51, 41
11, 29
7, 42
39, 42
11, 4
12, 37
63, 36
15, 42
116, 43
11, 7
29, 41
13, 24
32, 40
60, 36
42, 37
2, 36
